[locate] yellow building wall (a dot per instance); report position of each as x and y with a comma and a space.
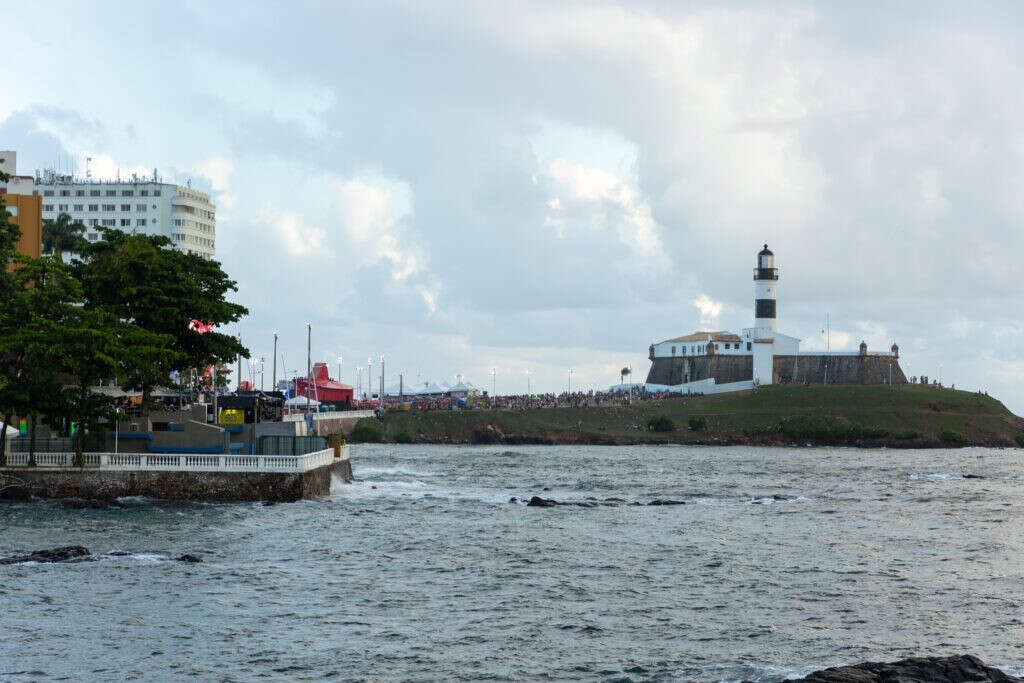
27, 214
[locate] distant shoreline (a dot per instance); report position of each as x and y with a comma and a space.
862, 416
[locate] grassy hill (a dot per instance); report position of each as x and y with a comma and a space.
903, 416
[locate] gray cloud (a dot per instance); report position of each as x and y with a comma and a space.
878, 152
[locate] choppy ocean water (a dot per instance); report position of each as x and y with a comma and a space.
782, 561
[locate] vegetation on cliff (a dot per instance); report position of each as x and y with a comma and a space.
896, 416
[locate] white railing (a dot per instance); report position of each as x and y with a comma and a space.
170, 462
297, 415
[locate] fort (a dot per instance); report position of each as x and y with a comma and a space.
760, 355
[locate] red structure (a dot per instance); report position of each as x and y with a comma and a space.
324, 389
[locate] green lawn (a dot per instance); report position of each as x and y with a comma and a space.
904, 409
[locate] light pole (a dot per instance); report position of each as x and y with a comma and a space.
570, 380
309, 360
528, 393
369, 377
273, 376
359, 380
494, 387
339, 368
382, 380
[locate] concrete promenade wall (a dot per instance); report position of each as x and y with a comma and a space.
21, 483
842, 369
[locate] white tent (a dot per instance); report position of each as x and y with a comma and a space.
300, 401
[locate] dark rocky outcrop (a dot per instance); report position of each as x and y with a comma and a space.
68, 553
77, 553
667, 502
955, 669
538, 502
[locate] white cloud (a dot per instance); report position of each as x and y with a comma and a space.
299, 239
710, 310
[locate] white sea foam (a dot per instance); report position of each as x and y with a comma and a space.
394, 472
933, 476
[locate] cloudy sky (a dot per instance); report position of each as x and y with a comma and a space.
543, 186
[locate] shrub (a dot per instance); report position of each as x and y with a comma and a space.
1020, 439
697, 424
827, 429
951, 436
661, 424
367, 430
403, 437
906, 434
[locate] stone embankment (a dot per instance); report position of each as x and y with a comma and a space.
955, 669
98, 487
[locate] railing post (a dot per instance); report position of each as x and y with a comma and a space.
104, 460
221, 461
181, 461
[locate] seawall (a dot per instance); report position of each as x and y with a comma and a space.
22, 483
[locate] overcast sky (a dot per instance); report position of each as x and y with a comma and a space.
543, 186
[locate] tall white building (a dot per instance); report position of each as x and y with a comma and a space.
145, 205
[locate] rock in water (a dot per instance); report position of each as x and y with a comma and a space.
64, 554
955, 669
538, 502
188, 557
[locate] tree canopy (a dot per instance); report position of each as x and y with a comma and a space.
62, 234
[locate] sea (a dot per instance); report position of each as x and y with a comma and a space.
781, 561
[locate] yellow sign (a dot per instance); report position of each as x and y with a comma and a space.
231, 416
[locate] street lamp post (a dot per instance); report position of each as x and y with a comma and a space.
528, 392
382, 380
273, 376
369, 377
494, 387
359, 380
339, 368
309, 360
570, 380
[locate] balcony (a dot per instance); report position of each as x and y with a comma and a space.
766, 273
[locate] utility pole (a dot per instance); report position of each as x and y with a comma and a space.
273, 377
309, 360
339, 368
570, 380
528, 392
382, 380
369, 377
494, 387
238, 382
263, 362
214, 392
401, 388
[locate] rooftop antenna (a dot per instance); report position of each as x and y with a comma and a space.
154, 174
88, 173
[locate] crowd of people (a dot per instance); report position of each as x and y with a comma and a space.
576, 399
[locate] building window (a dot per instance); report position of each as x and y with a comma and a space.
126, 222
143, 193
79, 193
156, 193
109, 222
62, 207
140, 222
93, 221
140, 207
748, 346
109, 207
682, 350
79, 207
94, 193
47, 207
94, 207
65, 193
47, 193
126, 207
93, 237
127, 193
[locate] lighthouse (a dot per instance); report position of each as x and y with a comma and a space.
766, 280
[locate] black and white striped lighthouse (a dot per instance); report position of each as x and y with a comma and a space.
766, 278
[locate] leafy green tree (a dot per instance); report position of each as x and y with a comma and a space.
9, 236
62, 234
143, 280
